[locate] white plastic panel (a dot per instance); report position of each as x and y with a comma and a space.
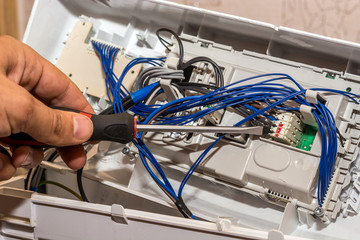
217, 193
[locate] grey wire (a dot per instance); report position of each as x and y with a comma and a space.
159, 72
152, 70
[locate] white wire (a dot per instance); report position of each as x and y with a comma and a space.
30, 179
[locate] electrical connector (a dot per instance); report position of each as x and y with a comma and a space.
288, 129
142, 93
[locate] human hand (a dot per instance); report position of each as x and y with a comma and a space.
28, 84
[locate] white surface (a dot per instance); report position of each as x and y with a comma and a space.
121, 24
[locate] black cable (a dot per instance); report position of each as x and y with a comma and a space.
199, 85
181, 65
179, 203
80, 185
166, 43
218, 73
342, 139
109, 110
181, 90
183, 209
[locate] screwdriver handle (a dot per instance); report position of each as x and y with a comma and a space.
115, 127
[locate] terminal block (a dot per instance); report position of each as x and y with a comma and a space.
288, 129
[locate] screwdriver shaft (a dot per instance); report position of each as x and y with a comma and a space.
257, 130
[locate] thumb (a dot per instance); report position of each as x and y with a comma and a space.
56, 127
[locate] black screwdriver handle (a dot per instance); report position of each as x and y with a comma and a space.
115, 127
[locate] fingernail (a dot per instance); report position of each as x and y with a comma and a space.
82, 127
27, 160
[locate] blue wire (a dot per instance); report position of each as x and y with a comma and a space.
267, 91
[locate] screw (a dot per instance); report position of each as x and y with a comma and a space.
126, 150
319, 212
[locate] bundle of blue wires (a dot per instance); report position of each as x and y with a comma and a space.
116, 92
114, 85
266, 88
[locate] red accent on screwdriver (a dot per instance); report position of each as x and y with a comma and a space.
115, 127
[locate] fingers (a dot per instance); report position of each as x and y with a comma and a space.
58, 128
24, 113
73, 156
26, 157
28, 83
21, 112
23, 156
7, 169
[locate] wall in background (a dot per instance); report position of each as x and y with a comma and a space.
14, 15
24, 9
8, 18
332, 18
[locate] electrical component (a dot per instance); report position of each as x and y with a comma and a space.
233, 183
258, 103
307, 137
203, 73
288, 129
277, 196
86, 72
187, 88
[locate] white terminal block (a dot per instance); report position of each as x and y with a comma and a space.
288, 129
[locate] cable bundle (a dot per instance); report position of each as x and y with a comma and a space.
114, 85
107, 55
256, 102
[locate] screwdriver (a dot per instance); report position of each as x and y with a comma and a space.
122, 128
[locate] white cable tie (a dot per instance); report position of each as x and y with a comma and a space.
308, 117
314, 96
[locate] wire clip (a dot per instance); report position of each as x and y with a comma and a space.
314, 97
308, 117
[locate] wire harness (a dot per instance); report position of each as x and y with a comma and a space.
256, 99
